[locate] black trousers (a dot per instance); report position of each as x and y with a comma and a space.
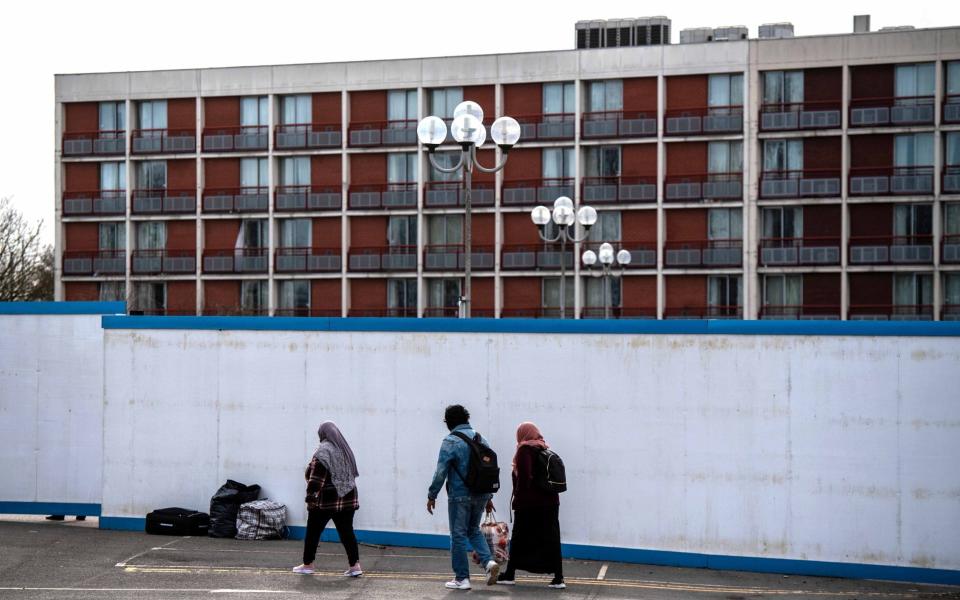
535, 543
316, 522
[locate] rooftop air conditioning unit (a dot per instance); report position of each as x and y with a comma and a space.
898, 28
621, 33
696, 35
776, 31
729, 34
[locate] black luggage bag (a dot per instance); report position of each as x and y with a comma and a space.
177, 521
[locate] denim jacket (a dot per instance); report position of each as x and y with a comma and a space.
452, 465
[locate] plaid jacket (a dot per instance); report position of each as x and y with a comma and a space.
322, 495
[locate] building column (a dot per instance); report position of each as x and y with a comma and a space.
128, 225
938, 160
497, 214
423, 164
271, 193
577, 199
661, 215
344, 220
198, 230
844, 191
751, 226
58, 234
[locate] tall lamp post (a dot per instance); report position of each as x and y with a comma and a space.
467, 130
606, 264
566, 220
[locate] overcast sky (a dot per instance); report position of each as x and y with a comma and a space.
39, 38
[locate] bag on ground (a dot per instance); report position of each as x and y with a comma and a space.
497, 534
225, 504
550, 474
262, 520
483, 474
177, 521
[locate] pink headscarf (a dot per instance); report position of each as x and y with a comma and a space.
528, 435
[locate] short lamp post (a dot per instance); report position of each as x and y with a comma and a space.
566, 221
607, 259
467, 130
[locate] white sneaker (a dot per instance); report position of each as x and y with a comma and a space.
303, 570
493, 570
458, 584
354, 571
558, 586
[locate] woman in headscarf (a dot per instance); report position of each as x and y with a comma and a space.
535, 544
331, 494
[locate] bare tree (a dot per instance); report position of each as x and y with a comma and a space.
43, 276
20, 254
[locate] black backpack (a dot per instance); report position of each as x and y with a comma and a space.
483, 474
550, 474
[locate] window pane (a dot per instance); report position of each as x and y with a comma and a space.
904, 289
552, 163
903, 150
110, 175
108, 116
250, 111
925, 79
773, 87
718, 93
568, 99
552, 98
923, 219
951, 289
718, 157
112, 291
411, 112
951, 218
773, 155
772, 223
793, 86
795, 155
924, 149
295, 233
718, 223
736, 90
773, 290
596, 97
151, 235
550, 294
953, 77
614, 93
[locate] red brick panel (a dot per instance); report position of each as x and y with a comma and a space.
182, 113
482, 294
484, 230
82, 116
523, 99
871, 151
326, 232
76, 292
523, 164
325, 170
686, 91
519, 229
221, 173
181, 174
220, 295
871, 219
871, 288
368, 294
81, 177
221, 112
521, 292
326, 108
640, 94
823, 84
639, 226
368, 231
81, 236
181, 297
181, 235
639, 292
821, 289
821, 220
368, 168
822, 153
870, 81
487, 159
482, 95
368, 106
220, 234
638, 160
688, 224
325, 294
685, 291
687, 158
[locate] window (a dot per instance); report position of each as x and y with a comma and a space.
725, 157
725, 90
914, 80
113, 236
913, 220
783, 87
558, 98
558, 163
445, 230
152, 175
402, 230
782, 155
953, 78
913, 150
783, 222
402, 106
607, 228
444, 100
402, 167
151, 235
253, 171
912, 289
551, 293
723, 294
951, 218
783, 290
402, 295
252, 234
112, 291
952, 154
594, 292
113, 116
725, 223
254, 111
153, 114
294, 295
293, 170
296, 110
602, 161
253, 296
150, 297
443, 293
295, 233
113, 176
605, 96
951, 289
447, 160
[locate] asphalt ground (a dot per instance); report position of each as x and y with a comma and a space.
42, 559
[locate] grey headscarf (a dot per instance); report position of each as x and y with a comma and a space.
335, 454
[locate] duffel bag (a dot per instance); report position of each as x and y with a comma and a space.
177, 521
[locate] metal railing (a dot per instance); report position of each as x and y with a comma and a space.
891, 181
717, 311
890, 249
546, 127
383, 133
94, 262
890, 312
806, 183
621, 189
408, 311
951, 108
704, 120
236, 200
950, 248
291, 136
103, 142
791, 251
812, 312
307, 260
235, 139
891, 110
696, 187
94, 203
534, 257
235, 260
791, 116
385, 196
618, 124
537, 312
291, 198
163, 201
163, 141
234, 311
530, 192
450, 257
619, 312
307, 311
719, 253
950, 182
449, 194
146, 262
382, 258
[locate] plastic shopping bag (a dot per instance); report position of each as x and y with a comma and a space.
497, 534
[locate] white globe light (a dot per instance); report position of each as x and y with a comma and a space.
468, 107
505, 131
606, 253
467, 129
623, 257
482, 135
563, 215
431, 131
589, 258
563, 201
587, 216
540, 216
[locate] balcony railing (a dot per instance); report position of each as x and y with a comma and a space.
529, 192
793, 116
546, 127
163, 141
96, 202
449, 194
891, 181
162, 312
951, 109
149, 262
235, 260
618, 124
307, 260
891, 250
950, 251
236, 200
697, 187
951, 180
234, 311
624, 190
94, 262
382, 258
384, 133
537, 312
891, 312
950, 312
530, 257
790, 251
643, 255
808, 183
388, 196
162, 202
235, 139
704, 120
902, 110
803, 312
716, 311
619, 312
290, 198
703, 253
106, 142
450, 257
290, 136
407, 311
305, 311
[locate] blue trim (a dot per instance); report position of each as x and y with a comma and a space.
62, 308
50, 508
123, 523
572, 326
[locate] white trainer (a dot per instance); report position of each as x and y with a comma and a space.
458, 584
354, 571
493, 571
303, 570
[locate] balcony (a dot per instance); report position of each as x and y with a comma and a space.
705, 120
236, 200
951, 109
307, 260
704, 186
950, 251
805, 251
618, 124
234, 311
619, 190
546, 128
704, 254
305, 311
382, 258
619, 312
235, 139
95, 143
530, 192
449, 194
950, 312
383, 133
235, 260
891, 312
383, 196
407, 311
161, 312
537, 312
453, 312
163, 141
291, 198
95, 203
802, 312
951, 180
891, 250
451, 257
716, 311
293, 136
891, 181
643, 255
168, 262
164, 202
809, 183
534, 257
900, 111
800, 116
94, 262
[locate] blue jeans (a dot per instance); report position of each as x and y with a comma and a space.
465, 515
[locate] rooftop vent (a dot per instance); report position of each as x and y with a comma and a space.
619, 33
898, 28
776, 31
699, 35
861, 23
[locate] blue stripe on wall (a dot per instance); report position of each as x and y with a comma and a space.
50, 508
63, 308
569, 326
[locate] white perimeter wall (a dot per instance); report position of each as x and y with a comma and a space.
819, 448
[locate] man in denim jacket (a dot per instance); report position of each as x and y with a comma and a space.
465, 509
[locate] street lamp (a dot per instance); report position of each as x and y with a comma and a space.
607, 259
468, 131
565, 219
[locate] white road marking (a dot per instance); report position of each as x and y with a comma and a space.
602, 573
254, 592
172, 590
123, 563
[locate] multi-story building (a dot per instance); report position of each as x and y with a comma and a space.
807, 177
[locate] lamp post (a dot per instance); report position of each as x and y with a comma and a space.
606, 264
467, 130
566, 220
